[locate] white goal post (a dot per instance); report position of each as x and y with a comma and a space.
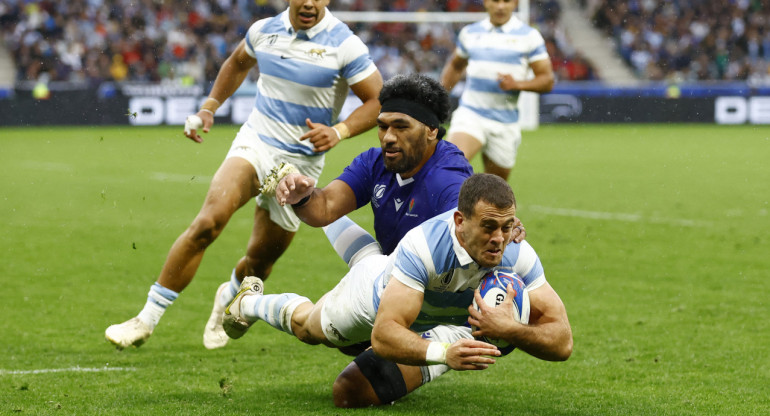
529, 102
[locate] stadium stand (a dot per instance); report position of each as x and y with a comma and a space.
689, 40
185, 41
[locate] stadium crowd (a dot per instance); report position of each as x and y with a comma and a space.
185, 41
689, 40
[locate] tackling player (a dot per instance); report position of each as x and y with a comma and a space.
414, 302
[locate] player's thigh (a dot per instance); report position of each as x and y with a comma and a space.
468, 144
502, 144
466, 132
347, 315
233, 185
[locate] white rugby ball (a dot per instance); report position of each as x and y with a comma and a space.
492, 289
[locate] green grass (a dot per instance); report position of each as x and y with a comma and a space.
656, 238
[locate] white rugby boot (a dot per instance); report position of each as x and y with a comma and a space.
234, 323
214, 335
130, 333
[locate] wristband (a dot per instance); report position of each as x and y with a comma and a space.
342, 131
302, 201
211, 105
436, 353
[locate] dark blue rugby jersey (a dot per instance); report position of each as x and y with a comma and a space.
402, 204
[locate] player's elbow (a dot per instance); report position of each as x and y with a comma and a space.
563, 350
379, 344
549, 83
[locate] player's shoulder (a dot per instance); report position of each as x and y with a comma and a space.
268, 25
437, 226
335, 33
476, 27
448, 160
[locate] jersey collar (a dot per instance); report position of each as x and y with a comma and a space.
462, 256
321, 26
512, 23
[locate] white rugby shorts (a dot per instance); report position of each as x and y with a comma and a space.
247, 145
499, 141
347, 315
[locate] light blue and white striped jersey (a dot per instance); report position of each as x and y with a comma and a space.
431, 260
302, 74
491, 50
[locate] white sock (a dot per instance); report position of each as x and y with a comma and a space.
230, 291
158, 299
276, 310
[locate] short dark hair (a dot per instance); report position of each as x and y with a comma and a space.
421, 89
484, 186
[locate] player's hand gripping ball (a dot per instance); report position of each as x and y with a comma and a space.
493, 290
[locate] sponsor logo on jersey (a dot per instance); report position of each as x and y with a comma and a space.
399, 203
409, 211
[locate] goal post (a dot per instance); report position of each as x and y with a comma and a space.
529, 102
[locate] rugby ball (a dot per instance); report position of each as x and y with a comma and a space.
492, 289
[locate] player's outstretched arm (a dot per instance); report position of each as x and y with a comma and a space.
393, 340
548, 335
234, 70
315, 207
360, 120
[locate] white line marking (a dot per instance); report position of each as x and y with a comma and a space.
77, 369
598, 215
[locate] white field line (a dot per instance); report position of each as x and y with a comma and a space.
613, 216
77, 369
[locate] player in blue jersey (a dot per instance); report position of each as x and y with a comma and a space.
307, 60
496, 55
413, 175
412, 302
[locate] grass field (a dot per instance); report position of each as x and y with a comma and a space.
657, 238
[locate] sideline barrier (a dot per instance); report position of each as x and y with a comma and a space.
577, 102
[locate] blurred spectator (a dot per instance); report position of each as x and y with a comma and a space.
690, 40
186, 41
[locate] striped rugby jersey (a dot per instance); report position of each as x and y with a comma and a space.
490, 50
431, 260
303, 74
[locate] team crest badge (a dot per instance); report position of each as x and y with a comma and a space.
316, 53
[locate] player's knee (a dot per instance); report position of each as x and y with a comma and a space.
351, 389
369, 381
204, 230
306, 336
